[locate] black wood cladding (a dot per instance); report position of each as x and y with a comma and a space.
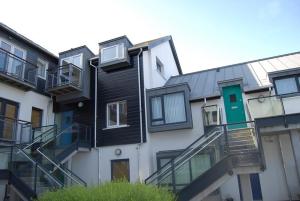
119, 85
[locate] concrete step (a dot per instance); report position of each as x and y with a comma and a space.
240, 142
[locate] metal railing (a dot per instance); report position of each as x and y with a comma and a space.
268, 106
31, 173
68, 74
15, 131
18, 68
72, 137
200, 156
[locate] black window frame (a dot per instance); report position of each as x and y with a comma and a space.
296, 78
119, 160
41, 113
163, 109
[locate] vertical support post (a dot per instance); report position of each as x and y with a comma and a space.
173, 177
226, 139
35, 176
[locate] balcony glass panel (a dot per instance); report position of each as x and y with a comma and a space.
291, 104
14, 66
68, 74
265, 107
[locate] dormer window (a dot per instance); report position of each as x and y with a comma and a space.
112, 53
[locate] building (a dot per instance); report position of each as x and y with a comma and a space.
128, 112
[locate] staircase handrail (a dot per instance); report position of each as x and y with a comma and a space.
184, 151
39, 166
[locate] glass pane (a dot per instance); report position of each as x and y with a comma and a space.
265, 107
123, 113
120, 170
174, 108
112, 114
285, 86
109, 53
41, 68
76, 61
5, 46
156, 108
199, 164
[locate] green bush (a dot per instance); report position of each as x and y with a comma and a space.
114, 191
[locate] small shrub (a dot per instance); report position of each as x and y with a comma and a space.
114, 191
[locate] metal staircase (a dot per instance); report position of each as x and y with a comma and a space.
210, 161
38, 166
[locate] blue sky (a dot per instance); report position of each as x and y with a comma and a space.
206, 33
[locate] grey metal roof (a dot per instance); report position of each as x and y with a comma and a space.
204, 84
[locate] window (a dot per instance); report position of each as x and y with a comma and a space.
116, 114
169, 108
287, 85
232, 98
160, 66
42, 68
112, 53
120, 169
76, 60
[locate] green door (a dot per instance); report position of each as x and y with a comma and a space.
234, 106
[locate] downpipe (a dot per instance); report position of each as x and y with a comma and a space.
140, 112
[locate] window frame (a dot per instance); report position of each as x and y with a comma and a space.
119, 160
46, 67
75, 55
171, 89
296, 78
163, 109
118, 125
117, 57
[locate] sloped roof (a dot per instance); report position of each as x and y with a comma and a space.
254, 74
152, 43
26, 40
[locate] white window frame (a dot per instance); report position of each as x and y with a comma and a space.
118, 125
12, 50
118, 56
46, 67
80, 55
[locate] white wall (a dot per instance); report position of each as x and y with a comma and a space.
152, 78
85, 165
107, 154
27, 100
230, 189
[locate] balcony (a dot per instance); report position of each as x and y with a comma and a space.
64, 80
270, 106
17, 71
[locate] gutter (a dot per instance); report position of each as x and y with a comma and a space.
140, 111
95, 117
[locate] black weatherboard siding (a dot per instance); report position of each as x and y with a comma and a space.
114, 86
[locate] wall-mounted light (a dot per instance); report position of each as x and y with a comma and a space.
80, 104
118, 152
